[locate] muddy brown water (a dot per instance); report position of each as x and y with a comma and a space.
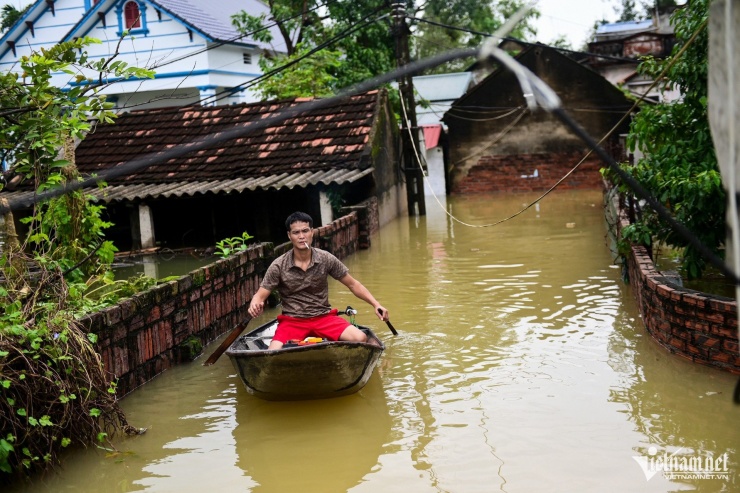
521, 365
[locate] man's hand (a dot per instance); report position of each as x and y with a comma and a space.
255, 308
382, 313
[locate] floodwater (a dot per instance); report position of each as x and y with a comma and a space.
521, 365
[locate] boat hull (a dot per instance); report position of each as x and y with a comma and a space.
317, 371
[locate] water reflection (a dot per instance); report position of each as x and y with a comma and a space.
160, 265
321, 445
521, 365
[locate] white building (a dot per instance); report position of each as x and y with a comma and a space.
197, 54
434, 94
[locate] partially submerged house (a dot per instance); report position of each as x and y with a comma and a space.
435, 94
341, 154
197, 54
497, 144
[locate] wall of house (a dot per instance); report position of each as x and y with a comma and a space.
146, 334
390, 189
529, 173
697, 326
492, 124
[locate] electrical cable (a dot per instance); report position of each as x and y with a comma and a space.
350, 30
234, 132
526, 43
241, 36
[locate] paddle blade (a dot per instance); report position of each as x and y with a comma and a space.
227, 342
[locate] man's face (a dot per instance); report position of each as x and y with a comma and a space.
300, 234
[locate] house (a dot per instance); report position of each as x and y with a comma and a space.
617, 49
436, 94
314, 161
192, 46
497, 144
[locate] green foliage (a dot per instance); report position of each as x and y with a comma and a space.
466, 16
680, 167
307, 76
55, 391
10, 15
230, 246
347, 59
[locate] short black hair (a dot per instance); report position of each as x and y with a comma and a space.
298, 217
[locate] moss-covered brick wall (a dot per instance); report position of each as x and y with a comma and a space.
698, 326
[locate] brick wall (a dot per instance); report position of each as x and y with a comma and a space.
698, 326
142, 336
529, 173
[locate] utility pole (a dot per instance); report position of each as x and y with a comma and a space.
409, 128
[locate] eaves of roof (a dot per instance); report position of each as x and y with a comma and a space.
142, 191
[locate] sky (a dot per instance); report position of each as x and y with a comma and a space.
572, 18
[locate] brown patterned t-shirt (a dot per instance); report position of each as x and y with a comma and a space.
304, 294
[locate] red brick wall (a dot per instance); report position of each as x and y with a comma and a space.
700, 327
141, 336
514, 173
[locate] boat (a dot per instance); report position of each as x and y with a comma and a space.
303, 370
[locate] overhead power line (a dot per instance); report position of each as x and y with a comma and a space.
527, 43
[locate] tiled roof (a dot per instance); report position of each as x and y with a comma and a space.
332, 138
214, 18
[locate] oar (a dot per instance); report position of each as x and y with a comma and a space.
388, 322
227, 342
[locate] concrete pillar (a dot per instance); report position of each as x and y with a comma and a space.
325, 209
207, 95
146, 226
724, 116
151, 267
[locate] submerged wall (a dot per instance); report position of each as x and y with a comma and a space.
145, 334
698, 326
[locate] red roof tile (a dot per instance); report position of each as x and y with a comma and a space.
335, 137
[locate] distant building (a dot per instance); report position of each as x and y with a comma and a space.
498, 145
198, 56
434, 95
622, 45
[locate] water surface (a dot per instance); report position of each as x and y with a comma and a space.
521, 365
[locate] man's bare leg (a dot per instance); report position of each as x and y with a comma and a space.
353, 334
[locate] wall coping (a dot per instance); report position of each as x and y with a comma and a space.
698, 326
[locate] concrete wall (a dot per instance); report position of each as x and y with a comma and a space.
142, 336
697, 326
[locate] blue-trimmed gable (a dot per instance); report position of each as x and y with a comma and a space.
91, 20
20, 28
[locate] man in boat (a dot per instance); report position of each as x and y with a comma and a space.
301, 278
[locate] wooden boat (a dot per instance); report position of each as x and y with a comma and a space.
295, 372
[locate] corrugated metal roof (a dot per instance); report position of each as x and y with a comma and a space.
625, 27
179, 189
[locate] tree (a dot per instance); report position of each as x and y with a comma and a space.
357, 41
55, 391
10, 15
630, 12
680, 167
469, 21
348, 43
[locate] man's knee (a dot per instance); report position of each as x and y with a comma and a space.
353, 334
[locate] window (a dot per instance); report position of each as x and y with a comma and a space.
247, 58
132, 15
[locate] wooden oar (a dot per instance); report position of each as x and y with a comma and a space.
388, 322
227, 342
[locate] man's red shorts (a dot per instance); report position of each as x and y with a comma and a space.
329, 326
